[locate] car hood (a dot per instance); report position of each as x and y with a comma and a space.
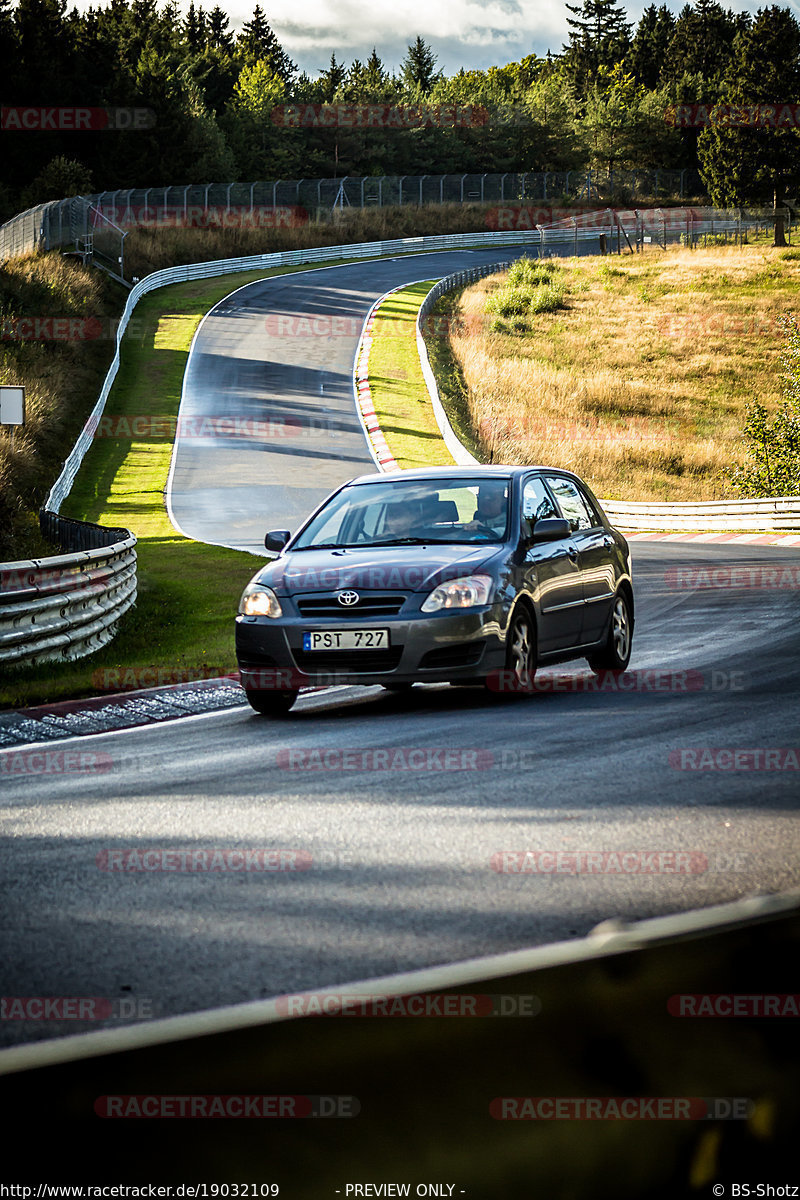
387, 568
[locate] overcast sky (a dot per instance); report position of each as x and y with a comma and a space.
462, 33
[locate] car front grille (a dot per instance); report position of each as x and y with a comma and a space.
348, 663
327, 606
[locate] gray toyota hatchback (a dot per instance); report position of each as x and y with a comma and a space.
460, 575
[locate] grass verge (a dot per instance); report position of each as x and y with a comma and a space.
399, 394
641, 381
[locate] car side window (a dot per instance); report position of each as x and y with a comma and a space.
571, 503
590, 508
536, 503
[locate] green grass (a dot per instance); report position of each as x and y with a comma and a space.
399, 394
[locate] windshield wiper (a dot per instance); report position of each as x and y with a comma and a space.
410, 541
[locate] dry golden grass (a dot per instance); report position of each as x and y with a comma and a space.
60, 377
640, 385
149, 250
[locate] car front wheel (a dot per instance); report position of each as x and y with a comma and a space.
271, 704
615, 654
521, 652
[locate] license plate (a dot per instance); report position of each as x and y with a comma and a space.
347, 639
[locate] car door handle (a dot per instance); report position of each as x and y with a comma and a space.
608, 542
573, 553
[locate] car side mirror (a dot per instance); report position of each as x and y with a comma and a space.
277, 539
551, 529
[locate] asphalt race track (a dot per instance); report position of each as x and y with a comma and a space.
277, 356
408, 816
399, 843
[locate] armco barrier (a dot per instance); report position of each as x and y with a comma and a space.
425, 1098
67, 606
775, 515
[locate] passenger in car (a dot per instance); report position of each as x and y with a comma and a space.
491, 510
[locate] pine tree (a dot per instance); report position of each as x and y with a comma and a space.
702, 43
756, 164
332, 79
599, 37
195, 28
650, 44
218, 33
258, 41
375, 77
418, 68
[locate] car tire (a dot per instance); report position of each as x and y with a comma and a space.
271, 704
521, 652
615, 654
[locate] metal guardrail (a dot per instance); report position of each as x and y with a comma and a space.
458, 279
773, 515
67, 606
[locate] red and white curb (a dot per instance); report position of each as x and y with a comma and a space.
741, 539
366, 406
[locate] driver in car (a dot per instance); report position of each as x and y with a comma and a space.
400, 519
491, 510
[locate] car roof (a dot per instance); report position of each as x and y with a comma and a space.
493, 470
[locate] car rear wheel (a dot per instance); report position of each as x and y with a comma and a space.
271, 704
616, 652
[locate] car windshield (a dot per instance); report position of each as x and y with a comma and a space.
413, 512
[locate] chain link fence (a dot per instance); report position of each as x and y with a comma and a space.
95, 224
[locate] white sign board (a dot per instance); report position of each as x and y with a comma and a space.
12, 405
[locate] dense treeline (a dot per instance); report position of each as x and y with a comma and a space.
601, 102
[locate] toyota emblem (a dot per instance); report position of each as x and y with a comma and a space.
348, 599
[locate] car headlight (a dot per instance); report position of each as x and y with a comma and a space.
466, 592
259, 601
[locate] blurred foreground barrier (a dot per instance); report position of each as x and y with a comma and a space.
619, 1065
